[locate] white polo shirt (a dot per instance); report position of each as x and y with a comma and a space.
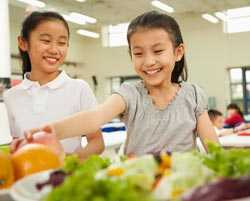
30, 105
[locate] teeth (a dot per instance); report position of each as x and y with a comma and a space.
51, 59
151, 72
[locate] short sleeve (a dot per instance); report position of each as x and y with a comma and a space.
10, 115
88, 100
128, 93
201, 101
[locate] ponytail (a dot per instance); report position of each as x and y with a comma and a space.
26, 64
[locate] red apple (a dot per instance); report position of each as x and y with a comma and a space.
48, 139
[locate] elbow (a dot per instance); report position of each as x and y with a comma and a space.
101, 147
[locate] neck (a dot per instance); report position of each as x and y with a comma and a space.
164, 88
43, 78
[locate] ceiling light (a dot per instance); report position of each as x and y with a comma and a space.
235, 20
162, 6
80, 0
74, 19
82, 17
221, 15
35, 3
210, 18
88, 33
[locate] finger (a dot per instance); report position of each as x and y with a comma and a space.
15, 144
48, 129
29, 134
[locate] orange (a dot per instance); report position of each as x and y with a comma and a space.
6, 171
33, 158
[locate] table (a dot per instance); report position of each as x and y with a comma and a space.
235, 141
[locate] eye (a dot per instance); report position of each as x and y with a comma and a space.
45, 40
62, 43
137, 54
158, 51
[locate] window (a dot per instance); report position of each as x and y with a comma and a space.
240, 87
115, 35
118, 80
236, 20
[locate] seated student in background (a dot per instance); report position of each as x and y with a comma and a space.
48, 94
217, 120
234, 116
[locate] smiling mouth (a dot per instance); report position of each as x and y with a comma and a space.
51, 60
152, 71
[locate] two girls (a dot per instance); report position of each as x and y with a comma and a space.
162, 112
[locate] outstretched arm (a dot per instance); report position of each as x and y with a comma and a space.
89, 121
95, 146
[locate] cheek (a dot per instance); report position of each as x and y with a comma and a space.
63, 53
136, 63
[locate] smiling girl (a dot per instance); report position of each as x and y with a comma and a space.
47, 94
162, 112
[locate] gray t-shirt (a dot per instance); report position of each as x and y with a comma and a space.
151, 130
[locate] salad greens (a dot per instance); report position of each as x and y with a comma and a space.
82, 185
138, 171
187, 172
227, 163
96, 179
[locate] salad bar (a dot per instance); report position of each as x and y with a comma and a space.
217, 176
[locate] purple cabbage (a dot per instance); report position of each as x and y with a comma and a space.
224, 189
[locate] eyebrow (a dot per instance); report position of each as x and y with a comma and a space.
139, 47
136, 47
44, 35
48, 35
157, 44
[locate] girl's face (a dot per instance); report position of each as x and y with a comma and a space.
231, 112
154, 56
47, 46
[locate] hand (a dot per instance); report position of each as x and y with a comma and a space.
48, 129
17, 143
241, 127
45, 136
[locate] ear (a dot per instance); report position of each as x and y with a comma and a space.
179, 52
22, 43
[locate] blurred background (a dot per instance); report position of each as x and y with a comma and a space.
216, 34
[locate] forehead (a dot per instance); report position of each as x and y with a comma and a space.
55, 28
147, 36
219, 117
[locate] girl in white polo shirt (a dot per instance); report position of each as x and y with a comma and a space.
47, 94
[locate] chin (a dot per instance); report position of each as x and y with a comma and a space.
51, 69
154, 83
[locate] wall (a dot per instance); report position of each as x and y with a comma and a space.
209, 53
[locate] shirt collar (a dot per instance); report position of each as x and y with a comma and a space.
54, 84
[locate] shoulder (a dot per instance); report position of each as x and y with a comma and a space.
136, 87
192, 88
12, 92
78, 84
130, 92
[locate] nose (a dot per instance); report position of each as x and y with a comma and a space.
53, 49
149, 60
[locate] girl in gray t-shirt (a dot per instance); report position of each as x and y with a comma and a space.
162, 112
